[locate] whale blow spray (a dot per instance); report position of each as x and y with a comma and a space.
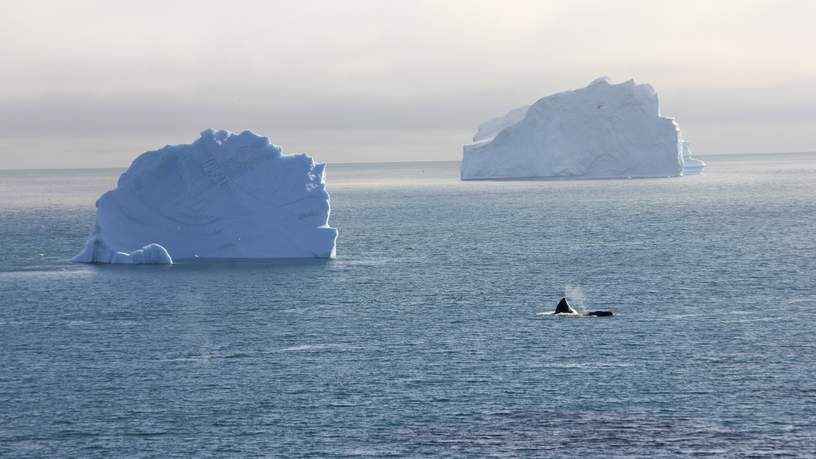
576, 296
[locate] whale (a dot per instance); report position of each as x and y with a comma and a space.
564, 307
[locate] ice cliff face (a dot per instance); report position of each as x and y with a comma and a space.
223, 196
602, 130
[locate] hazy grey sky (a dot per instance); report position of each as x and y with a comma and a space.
94, 83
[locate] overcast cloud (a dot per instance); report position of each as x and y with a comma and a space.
94, 83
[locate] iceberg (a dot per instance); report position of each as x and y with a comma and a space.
223, 196
95, 251
601, 131
691, 166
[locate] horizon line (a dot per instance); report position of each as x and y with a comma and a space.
358, 163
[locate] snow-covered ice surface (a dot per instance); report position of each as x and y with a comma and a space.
488, 130
223, 196
602, 130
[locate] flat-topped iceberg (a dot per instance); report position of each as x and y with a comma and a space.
602, 130
223, 196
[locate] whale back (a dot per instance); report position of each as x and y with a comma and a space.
564, 307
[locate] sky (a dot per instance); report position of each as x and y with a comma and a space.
95, 83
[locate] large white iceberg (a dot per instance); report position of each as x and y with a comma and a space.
223, 196
602, 130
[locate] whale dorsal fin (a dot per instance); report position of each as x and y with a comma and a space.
564, 307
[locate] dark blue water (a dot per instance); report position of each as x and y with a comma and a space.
422, 338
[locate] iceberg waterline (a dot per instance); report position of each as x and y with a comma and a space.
602, 130
223, 196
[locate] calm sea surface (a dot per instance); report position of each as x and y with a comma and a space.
422, 338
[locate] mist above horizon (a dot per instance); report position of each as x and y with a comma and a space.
92, 83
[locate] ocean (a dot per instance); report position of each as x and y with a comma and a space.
424, 336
